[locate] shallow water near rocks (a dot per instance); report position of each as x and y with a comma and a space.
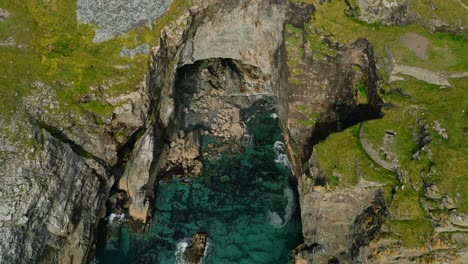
243, 202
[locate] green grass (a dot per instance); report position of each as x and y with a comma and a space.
448, 155
295, 52
446, 51
451, 12
59, 52
309, 119
341, 152
412, 233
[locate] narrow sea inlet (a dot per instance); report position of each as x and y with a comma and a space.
243, 201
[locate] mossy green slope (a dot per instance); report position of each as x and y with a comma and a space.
409, 103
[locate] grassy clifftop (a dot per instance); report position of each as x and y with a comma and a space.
427, 123
51, 47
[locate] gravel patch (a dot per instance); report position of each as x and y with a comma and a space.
416, 43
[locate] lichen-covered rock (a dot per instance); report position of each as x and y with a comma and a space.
142, 49
117, 17
387, 12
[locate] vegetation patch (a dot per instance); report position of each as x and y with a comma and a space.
428, 122
52, 47
295, 52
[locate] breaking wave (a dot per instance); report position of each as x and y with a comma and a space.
281, 158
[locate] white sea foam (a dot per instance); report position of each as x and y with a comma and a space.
290, 206
281, 158
275, 219
180, 249
116, 217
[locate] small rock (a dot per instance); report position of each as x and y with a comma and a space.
4, 14
194, 253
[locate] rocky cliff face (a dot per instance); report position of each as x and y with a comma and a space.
186, 67
217, 58
52, 196
67, 177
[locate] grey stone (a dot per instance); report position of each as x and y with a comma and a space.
4, 14
142, 49
388, 12
421, 74
114, 17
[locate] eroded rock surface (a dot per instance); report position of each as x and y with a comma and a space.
51, 199
336, 225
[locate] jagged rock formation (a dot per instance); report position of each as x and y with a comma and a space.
338, 225
223, 88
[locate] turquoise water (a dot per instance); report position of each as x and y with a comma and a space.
242, 201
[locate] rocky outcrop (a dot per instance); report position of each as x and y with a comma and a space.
387, 12
338, 224
143, 49
194, 253
202, 81
203, 76
117, 17
420, 74
327, 98
100, 141
56, 170
136, 176
250, 32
